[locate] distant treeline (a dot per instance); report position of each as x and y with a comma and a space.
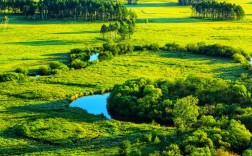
84, 9
189, 2
217, 10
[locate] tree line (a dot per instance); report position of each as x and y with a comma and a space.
203, 110
83, 9
217, 10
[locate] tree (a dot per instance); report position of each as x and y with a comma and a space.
238, 136
112, 28
104, 30
5, 21
123, 30
185, 112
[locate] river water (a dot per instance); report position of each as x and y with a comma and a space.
94, 104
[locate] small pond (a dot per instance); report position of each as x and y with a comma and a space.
94, 104
94, 56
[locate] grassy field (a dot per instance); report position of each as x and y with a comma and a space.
42, 100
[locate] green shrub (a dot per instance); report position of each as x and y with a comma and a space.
78, 64
81, 54
58, 65
22, 71
44, 70
248, 152
173, 47
11, 77
239, 58
153, 46
105, 55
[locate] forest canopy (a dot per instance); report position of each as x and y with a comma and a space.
142, 100
202, 109
84, 9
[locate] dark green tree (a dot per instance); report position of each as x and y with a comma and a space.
104, 30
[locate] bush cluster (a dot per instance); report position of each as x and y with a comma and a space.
11, 76
52, 68
109, 50
79, 58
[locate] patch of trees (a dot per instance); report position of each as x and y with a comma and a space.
52, 68
189, 2
79, 57
217, 10
142, 100
211, 137
122, 28
82, 9
202, 109
109, 50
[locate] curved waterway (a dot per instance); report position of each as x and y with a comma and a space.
94, 104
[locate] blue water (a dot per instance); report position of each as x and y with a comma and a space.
94, 104
94, 56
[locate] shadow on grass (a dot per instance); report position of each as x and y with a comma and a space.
191, 56
172, 20
72, 84
54, 109
46, 42
170, 4
229, 72
77, 32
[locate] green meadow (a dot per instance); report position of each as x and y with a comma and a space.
35, 117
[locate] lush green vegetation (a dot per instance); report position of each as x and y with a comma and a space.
35, 117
